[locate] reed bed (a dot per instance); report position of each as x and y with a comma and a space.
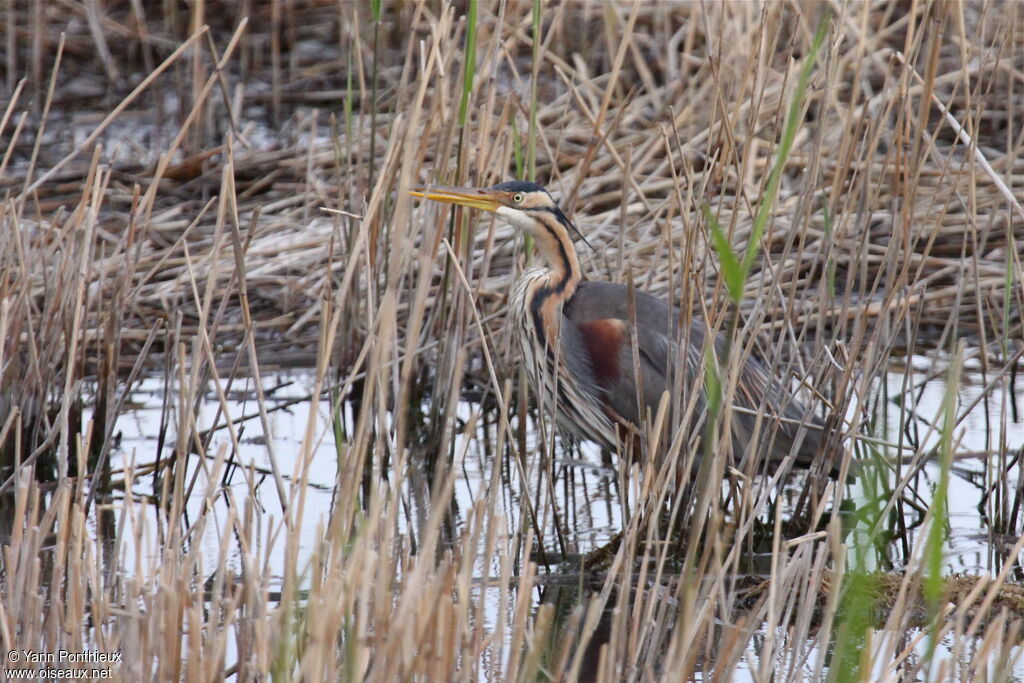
207, 193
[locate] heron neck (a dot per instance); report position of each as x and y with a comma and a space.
564, 273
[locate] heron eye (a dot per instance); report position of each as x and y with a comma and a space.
517, 198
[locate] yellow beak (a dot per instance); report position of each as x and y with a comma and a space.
473, 197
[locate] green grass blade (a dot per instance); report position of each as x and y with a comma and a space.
934, 584
730, 265
469, 74
712, 383
785, 146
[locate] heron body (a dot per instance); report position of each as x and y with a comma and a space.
577, 338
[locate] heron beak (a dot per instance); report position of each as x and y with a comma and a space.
473, 197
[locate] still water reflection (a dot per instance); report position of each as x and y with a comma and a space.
585, 503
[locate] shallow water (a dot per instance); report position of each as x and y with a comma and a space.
588, 502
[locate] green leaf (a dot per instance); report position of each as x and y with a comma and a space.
731, 268
712, 383
470, 71
934, 584
796, 107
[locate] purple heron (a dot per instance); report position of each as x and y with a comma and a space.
577, 342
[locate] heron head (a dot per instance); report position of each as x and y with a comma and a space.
524, 205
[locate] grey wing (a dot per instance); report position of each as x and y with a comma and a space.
600, 313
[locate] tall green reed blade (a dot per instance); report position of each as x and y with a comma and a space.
458, 227
468, 77
796, 107
865, 553
469, 72
859, 583
461, 238
933, 584
713, 392
737, 271
732, 269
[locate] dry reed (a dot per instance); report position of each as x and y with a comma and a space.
164, 170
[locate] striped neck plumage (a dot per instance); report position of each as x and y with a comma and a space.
551, 235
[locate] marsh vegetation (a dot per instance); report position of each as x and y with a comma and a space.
260, 414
